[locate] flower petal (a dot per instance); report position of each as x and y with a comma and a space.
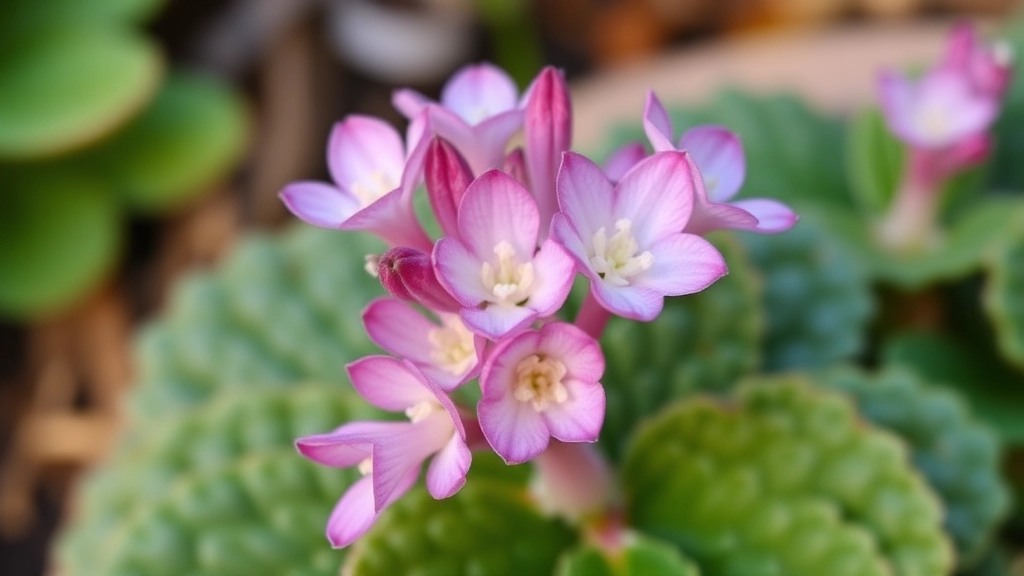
400, 456
367, 152
548, 131
348, 445
634, 302
585, 195
580, 417
477, 92
353, 515
580, 353
513, 429
772, 216
496, 209
447, 471
657, 124
564, 233
447, 176
495, 321
657, 196
392, 219
711, 216
554, 270
388, 383
683, 264
719, 154
399, 329
319, 204
409, 102
620, 161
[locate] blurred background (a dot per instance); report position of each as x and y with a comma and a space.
138, 138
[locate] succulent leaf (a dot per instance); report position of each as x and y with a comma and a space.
639, 556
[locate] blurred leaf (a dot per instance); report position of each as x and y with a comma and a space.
191, 135
995, 392
700, 343
785, 480
817, 297
639, 556
61, 234
487, 528
21, 13
1004, 296
874, 161
959, 456
65, 85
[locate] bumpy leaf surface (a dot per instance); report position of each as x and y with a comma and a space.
785, 481
640, 556
1004, 297
959, 456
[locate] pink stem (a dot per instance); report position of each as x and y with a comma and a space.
575, 481
592, 317
910, 223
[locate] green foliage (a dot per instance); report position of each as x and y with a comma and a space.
65, 84
959, 456
277, 312
187, 139
23, 13
816, 297
703, 342
1004, 296
219, 490
60, 236
639, 556
488, 528
874, 161
785, 481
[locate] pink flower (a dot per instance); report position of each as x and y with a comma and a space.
548, 131
374, 182
540, 385
627, 238
447, 176
722, 167
447, 353
624, 158
989, 68
408, 274
390, 454
479, 113
493, 269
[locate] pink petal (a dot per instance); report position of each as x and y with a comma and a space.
515, 166
657, 196
348, 445
388, 383
409, 102
353, 515
392, 219
399, 329
491, 138
477, 92
896, 95
402, 455
772, 216
633, 301
548, 131
447, 176
623, 159
496, 209
960, 46
554, 271
657, 124
513, 429
683, 264
564, 233
585, 196
319, 204
458, 270
363, 149
447, 471
719, 154
711, 216
580, 417
495, 322
580, 353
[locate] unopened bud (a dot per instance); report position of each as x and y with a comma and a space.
408, 274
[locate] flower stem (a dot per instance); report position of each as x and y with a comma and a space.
592, 317
575, 481
910, 224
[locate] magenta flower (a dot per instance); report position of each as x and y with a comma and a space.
540, 385
989, 68
718, 153
621, 160
548, 131
627, 238
448, 353
374, 181
479, 113
390, 454
493, 269
408, 274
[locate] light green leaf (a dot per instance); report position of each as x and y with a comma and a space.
874, 161
639, 556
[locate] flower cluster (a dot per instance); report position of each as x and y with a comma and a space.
481, 302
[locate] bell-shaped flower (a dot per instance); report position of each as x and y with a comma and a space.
989, 67
374, 180
447, 352
494, 269
548, 132
538, 385
479, 113
390, 454
627, 238
718, 153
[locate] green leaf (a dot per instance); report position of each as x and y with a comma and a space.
67, 84
785, 480
702, 342
190, 137
61, 233
959, 456
995, 392
1004, 295
874, 161
22, 13
817, 297
488, 528
639, 556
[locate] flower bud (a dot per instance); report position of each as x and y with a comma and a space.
408, 274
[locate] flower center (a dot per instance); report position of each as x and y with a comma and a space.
423, 409
510, 281
933, 122
366, 467
616, 259
370, 189
539, 382
453, 346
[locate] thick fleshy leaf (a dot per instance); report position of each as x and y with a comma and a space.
639, 555
64, 84
874, 161
719, 155
1004, 296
